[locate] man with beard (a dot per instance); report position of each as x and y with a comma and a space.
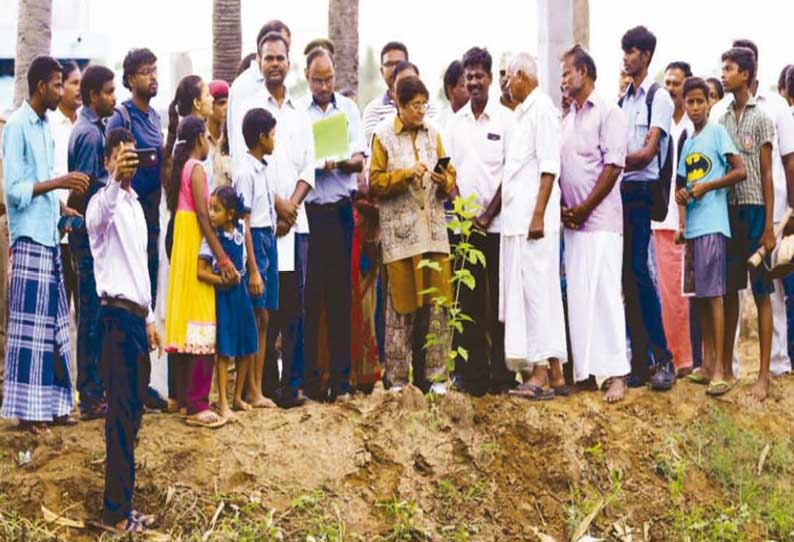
137, 116
478, 139
291, 170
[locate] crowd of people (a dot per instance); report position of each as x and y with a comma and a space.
615, 234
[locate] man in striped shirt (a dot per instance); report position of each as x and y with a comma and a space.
378, 109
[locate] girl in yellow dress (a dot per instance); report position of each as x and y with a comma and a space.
190, 310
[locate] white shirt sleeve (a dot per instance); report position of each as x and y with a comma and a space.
356, 132
784, 123
306, 169
548, 140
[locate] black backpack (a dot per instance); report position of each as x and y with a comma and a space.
660, 190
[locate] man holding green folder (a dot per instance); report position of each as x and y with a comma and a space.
339, 152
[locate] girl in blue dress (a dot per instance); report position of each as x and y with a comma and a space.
236, 323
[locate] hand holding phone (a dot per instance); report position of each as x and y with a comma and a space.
147, 158
441, 165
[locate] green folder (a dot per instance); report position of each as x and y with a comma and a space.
330, 138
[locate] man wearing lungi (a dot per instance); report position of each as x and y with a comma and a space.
38, 388
530, 301
592, 158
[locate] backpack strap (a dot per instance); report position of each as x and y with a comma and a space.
126, 121
649, 105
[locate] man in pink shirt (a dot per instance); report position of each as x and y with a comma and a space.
592, 158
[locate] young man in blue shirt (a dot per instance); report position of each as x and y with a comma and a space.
87, 155
648, 136
37, 388
137, 116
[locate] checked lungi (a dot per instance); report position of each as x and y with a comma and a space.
38, 385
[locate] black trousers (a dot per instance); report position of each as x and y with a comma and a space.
484, 338
328, 283
125, 370
287, 322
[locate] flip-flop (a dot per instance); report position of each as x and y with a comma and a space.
132, 525
696, 377
195, 421
148, 520
717, 388
562, 391
64, 421
532, 393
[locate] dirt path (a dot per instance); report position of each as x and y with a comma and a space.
388, 467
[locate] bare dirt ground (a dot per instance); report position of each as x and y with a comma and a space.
404, 467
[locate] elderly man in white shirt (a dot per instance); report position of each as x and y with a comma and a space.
291, 168
530, 302
478, 137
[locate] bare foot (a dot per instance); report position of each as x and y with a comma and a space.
262, 402
225, 411
616, 390
760, 389
239, 404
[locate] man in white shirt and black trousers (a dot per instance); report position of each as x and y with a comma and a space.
477, 139
118, 236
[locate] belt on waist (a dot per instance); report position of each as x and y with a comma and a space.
123, 304
344, 202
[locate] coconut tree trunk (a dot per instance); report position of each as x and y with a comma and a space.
34, 36
343, 31
227, 39
561, 24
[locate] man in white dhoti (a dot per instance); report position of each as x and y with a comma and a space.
530, 302
592, 158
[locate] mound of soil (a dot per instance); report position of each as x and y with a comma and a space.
400, 467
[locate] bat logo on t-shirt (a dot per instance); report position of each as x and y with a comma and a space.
698, 166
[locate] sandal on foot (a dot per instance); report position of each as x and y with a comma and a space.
65, 421
697, 377
562, 391
131, 525
207, 419
717, 388
532, 393
148, 520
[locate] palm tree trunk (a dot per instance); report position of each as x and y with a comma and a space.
581, 22
34, 36
227, 39
343, 31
